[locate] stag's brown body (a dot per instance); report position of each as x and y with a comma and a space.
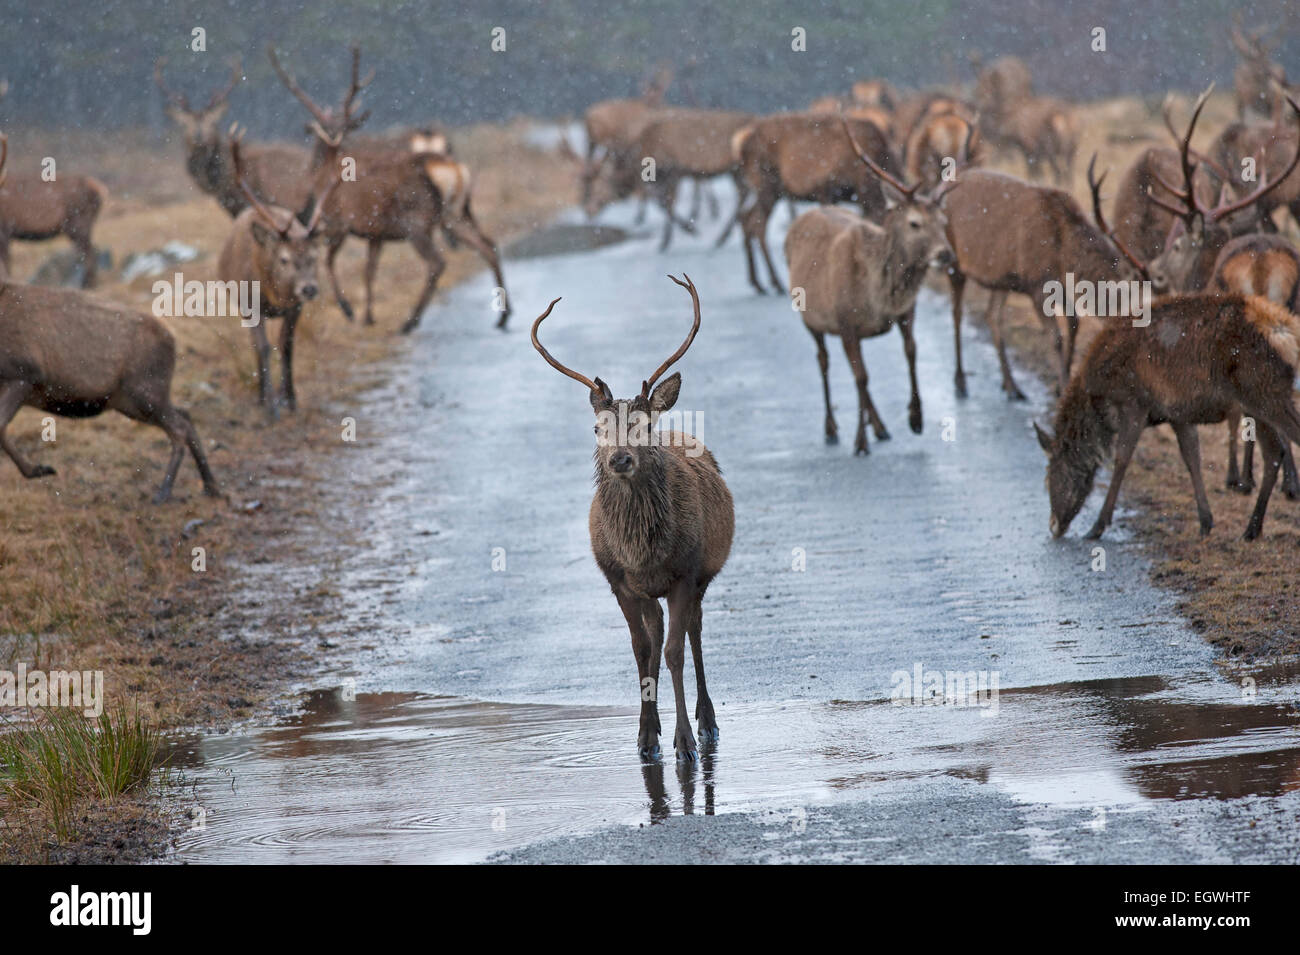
1141, 224
1201, 357
33, 209
1013, 236
661, 524
67, 354
807, 156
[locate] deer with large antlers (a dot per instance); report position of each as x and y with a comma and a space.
1043, 236
1257, 82
395, 197
860, 279
270, 248
661, 523
1198, 236
274, 173
66, 354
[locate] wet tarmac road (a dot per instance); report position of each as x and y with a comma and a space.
497, 710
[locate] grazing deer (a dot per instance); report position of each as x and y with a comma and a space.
805, 156
275, 173
1201, 357
395, 197
860, 279
661, 524
1269, 266
1265, 148
1041, 235
684, 144
66, 354
612, 126
271, 248
1196, 239
1042, 129
32, 209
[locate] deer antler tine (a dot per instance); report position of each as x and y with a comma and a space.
221, 95
562, 369
260, 210
695, 327
321, 200
1265, 187
871, 164
1094, 185
292, 85
1177, 211
177, 99
4, 155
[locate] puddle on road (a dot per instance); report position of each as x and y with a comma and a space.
411, 778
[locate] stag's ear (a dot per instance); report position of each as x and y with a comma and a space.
603, 399
665, 394
264, 236
1044, 438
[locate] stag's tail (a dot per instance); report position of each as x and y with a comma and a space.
1280, 327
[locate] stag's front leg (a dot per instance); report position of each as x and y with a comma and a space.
646, 642
374, 247
824, 363
957, 282
332, 253
12, 396
262, 347
1130, 430
287, 328
914, 419
680, 600
866, 409
1189, 443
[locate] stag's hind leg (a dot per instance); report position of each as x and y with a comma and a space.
914, 419
423, 244
331, 253
374, 248
705, 719
287, 329
1131, 423
824, 363
1189, 444
681, 599
957, 282
1270, 447
12, 396
467, 229
866, 408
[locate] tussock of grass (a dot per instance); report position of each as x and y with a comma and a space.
63, 759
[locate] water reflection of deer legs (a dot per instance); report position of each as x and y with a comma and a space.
653, 776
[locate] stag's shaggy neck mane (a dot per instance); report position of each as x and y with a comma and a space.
1084, 432
638, 512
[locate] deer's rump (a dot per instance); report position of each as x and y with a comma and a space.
78, 353
824, 250
31, 208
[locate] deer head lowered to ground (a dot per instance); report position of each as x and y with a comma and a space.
661, 523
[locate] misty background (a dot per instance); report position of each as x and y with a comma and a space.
89, 63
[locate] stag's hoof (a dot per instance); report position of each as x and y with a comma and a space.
650, 754
42, 470
501, 322
1095, 532
959, 383
162, 496
211, 490
410, 326
347, 311
1015, 394
709, 734
1252, 532
1241, 487
687, 754
915, 421
832, 436
1206, 527
860, 449
881, 433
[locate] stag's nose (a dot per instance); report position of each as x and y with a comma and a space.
621, 462
943, 258
309, 291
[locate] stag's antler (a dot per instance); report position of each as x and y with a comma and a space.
4, 154
176, 99
562, 369
1094, 185
236, 136
695, 327
871, 163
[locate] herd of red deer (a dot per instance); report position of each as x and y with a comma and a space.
1221, 343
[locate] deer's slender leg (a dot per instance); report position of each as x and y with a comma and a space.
192, 441
646, 651
287, 328
914, 419
1290, 480
824, 363
373, 249
866, 410
1189, 444
742, 194
680, 600
767, 257
753, 221
957, 281
12, 396
331, 253
1233, 480
79, 234
1131, 422
1053, 322
262, 348
1270, 448
667, 195
695, 200
467, 229
996, 311
705, 718
427, 250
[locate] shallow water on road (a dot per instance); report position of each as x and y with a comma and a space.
495, 706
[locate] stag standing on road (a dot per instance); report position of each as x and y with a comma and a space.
661, 524
269, 246
860, 279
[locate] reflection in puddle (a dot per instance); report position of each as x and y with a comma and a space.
411, 778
